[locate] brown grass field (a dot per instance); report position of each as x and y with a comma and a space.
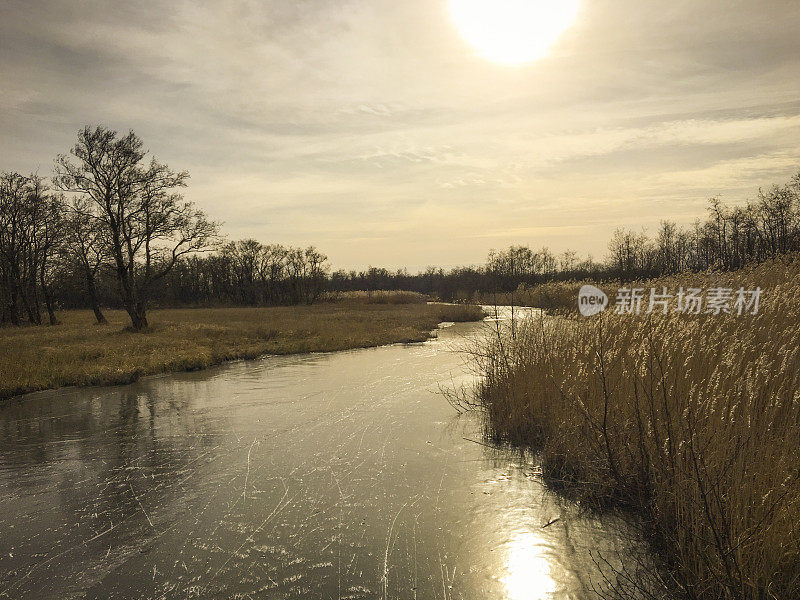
377, 297
80, 352
692, 421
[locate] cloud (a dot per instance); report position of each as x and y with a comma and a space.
325, 122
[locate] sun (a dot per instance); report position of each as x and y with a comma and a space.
513, 31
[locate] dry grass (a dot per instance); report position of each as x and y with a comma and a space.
694, 421
460, 313
378, 297
553, 296
79, 352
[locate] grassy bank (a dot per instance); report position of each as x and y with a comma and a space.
694, 421
80, 352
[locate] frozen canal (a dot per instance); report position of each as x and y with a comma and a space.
323, 476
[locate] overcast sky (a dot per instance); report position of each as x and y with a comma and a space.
374, 131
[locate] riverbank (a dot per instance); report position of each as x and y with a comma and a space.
690, 420
80, 352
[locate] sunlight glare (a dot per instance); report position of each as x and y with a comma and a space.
513, 31
527, 574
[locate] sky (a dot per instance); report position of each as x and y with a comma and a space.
375, 131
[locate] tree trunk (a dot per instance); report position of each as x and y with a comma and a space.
31, 306
48, 300
13, 308
127, 288
142, 312
138, 316
98, 314
10, 298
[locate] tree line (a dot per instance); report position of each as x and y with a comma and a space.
110, 228
728, 238
248, 273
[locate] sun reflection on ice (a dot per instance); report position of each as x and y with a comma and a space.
527, 569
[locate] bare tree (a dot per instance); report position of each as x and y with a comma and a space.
12, 225
628, 252
316, 273
273, 270
148, 224
30, 234
567, 260
48, 238
86, 247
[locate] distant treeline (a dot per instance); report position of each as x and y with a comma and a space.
109, 229
730, 237
247, 272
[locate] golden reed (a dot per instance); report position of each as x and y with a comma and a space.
692, 420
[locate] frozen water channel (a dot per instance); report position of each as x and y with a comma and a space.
321, 476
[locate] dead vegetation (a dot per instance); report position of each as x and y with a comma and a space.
377, 297
694, 421
78, 351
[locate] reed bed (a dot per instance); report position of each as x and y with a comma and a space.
693, 421
377, 297
552, 296
460, 313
